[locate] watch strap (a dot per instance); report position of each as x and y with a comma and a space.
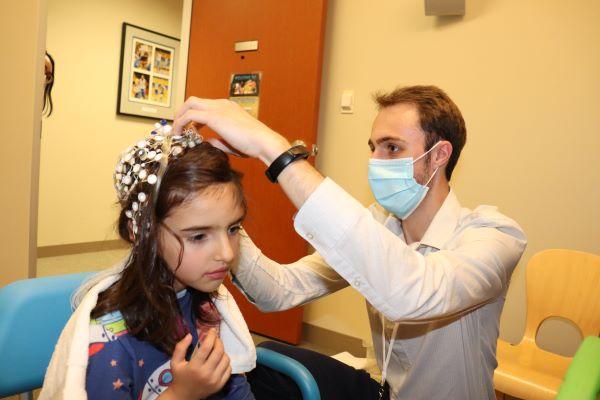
286, 158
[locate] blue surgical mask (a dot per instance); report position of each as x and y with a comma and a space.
394, 186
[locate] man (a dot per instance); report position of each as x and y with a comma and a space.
434, 274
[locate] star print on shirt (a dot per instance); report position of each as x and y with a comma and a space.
141, 362
117, 384
113, 363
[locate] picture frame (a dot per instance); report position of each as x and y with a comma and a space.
147, 73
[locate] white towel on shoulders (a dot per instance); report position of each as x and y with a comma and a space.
66, 373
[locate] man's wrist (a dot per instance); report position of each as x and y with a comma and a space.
274, 149
288, 157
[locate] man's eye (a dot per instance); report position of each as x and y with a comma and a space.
393, 148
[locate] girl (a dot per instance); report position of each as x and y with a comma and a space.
181, 209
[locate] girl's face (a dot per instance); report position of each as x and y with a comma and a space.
208, 224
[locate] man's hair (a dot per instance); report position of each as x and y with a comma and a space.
439, 117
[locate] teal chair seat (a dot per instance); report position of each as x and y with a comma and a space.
33, 312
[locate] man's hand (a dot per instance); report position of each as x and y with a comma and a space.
239, 129
249, 136
206, 373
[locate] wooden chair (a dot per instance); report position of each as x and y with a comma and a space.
560, 283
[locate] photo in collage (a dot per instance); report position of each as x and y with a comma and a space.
151, 73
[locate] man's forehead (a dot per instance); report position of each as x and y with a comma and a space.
401, 120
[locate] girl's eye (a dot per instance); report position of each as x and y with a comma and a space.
393, 148
234, 229
198, 237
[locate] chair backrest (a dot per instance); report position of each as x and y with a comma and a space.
563, 283
33, 312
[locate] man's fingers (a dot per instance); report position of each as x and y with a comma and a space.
188, 116
219, 144
180, 349
191, 103
184, 107
224, 146
196, 103
206, 348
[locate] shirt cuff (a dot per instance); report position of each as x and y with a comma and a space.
327, 216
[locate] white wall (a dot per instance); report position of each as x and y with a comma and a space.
84, 136
525, 75
22, 73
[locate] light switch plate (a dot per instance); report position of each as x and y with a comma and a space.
347, 102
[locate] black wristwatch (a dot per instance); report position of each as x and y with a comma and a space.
285, 159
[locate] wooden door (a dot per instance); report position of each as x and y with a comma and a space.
289, 57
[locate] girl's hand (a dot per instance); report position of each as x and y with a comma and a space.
206, 373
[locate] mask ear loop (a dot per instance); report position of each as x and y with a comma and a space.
428, 151
423, 155
432, 175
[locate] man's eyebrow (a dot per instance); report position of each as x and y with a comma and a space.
389, 139
202, 228
386, 139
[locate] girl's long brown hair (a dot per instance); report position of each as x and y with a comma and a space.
144, 293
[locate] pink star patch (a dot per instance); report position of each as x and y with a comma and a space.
113, 363
117, 384
141, 362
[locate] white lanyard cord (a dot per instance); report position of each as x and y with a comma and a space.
386, 356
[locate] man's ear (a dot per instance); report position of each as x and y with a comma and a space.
441, 154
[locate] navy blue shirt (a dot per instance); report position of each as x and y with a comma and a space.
123, 367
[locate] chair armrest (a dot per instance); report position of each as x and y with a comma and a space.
292, 368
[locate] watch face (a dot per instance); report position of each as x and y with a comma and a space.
298, 150
298, 142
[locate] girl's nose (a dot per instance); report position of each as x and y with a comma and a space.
225, 251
